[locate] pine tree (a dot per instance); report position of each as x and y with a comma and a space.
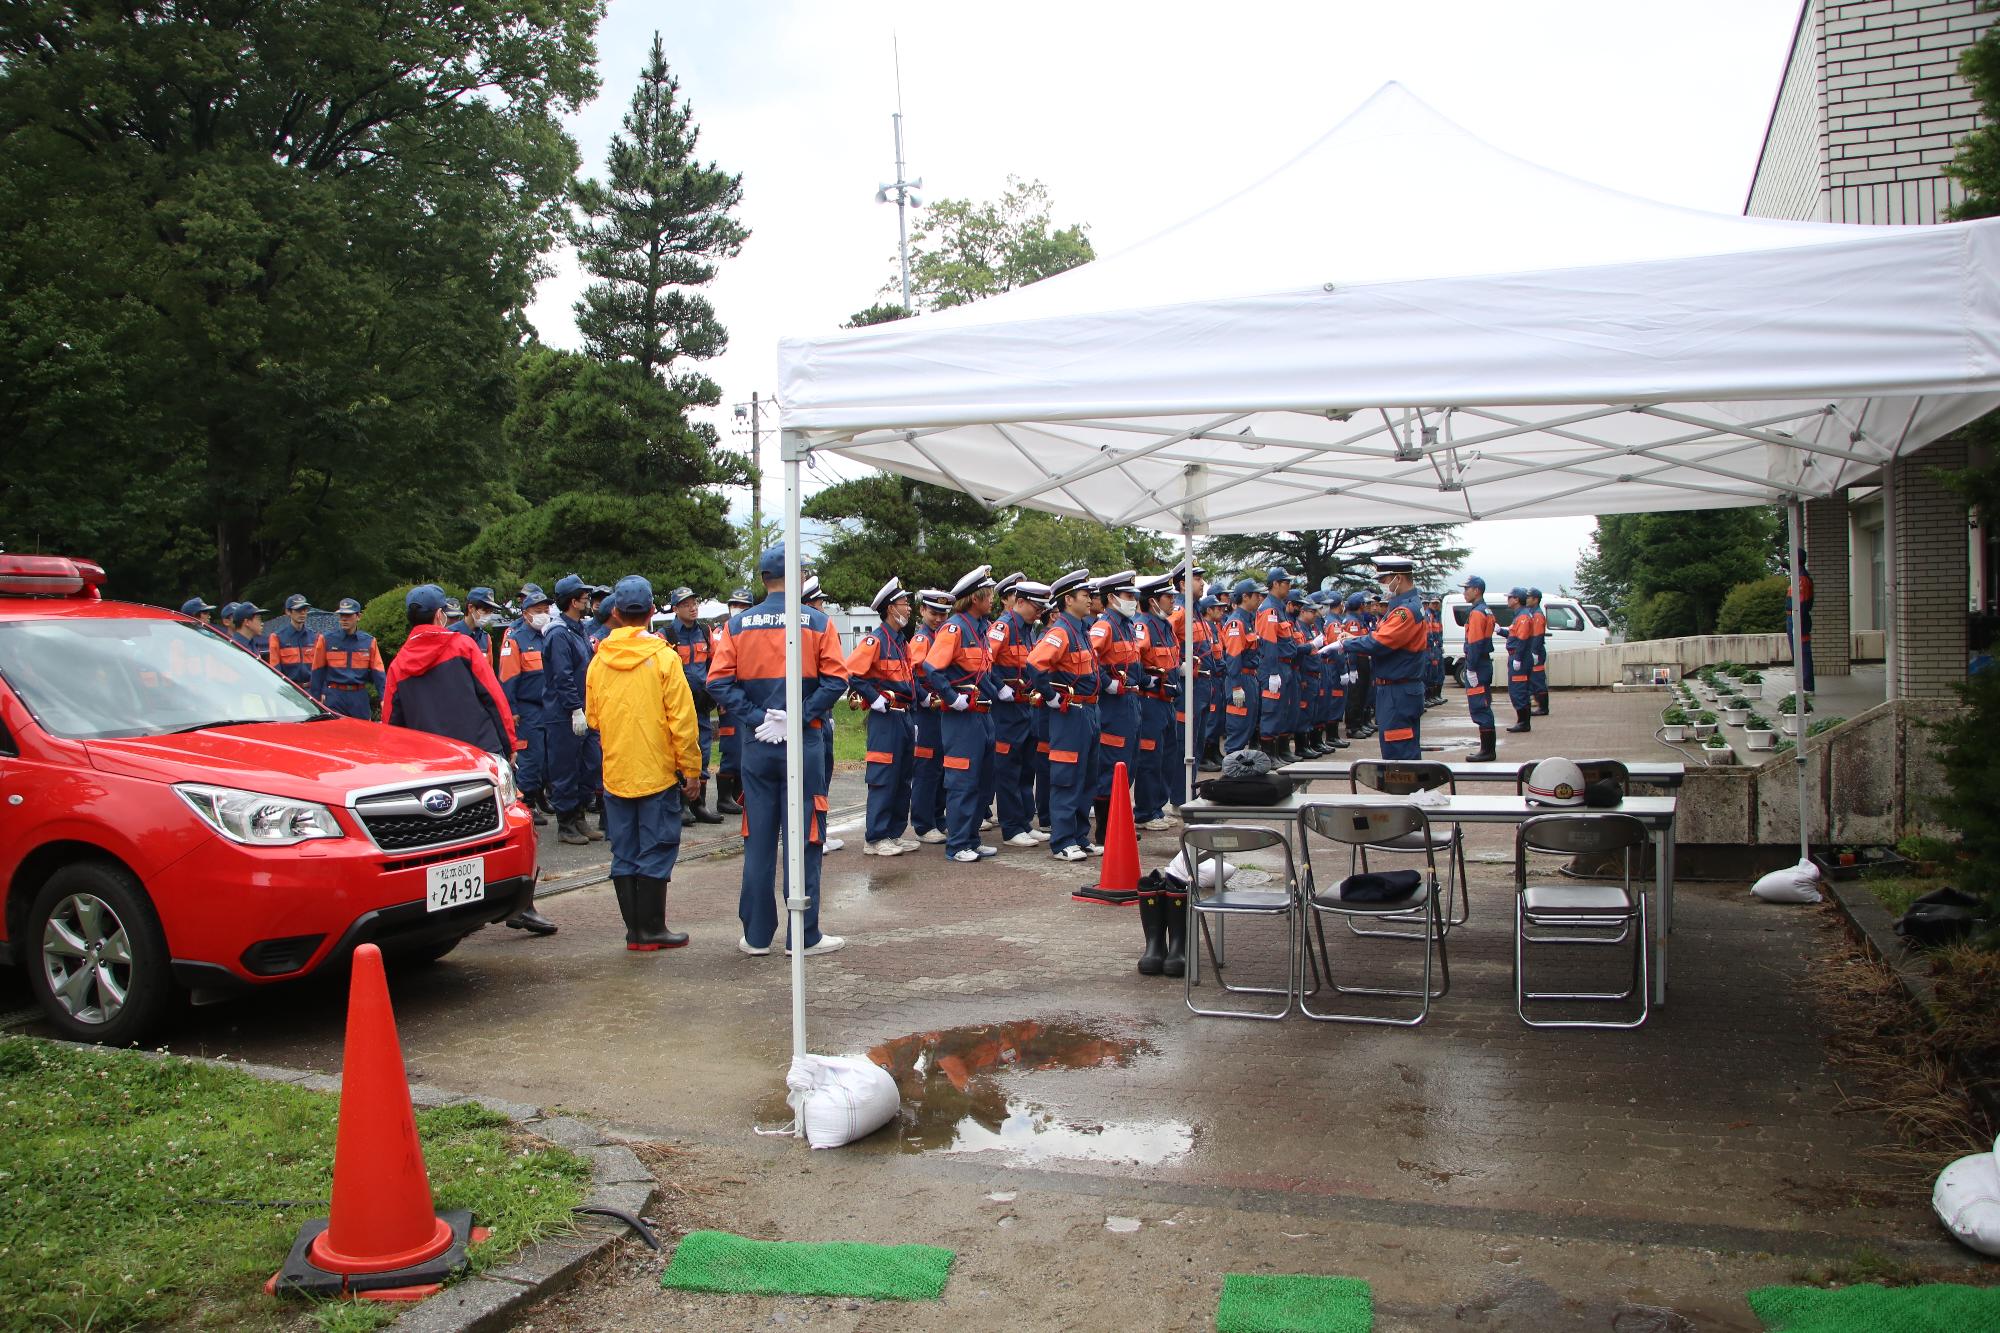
655, 229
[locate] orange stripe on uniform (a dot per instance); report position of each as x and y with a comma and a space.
881, 757
1399, 734
958, 761
923, 752
1003, 747
1062, 756
1114, 741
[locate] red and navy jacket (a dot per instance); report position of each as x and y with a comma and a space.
1007, 642
1158, 654
1277, 646
691, 643
1116, 644
880, 665
291, 651
1478, 633
440, 683
957, 660
523, 670
746, 674
1397, 644
344, 661
1063, 657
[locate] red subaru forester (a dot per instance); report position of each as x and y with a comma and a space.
176, 817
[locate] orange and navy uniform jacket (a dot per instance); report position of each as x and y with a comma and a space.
1397, 643
521, 670
921, 638
1207, 649
880, 666
1520, 643
259, 648
1538, 645
1065, 667
1158, 655
1115, 640
1240, 650
1478, 634
724, 724
746, 674
957, 660
1007, 642
1276, 646
344, 661
291, 651
692, 643
1434, 634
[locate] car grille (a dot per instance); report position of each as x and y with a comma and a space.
398, 821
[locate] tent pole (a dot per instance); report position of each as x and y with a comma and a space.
1189, 703
794, 450
1798, 677
1890, 648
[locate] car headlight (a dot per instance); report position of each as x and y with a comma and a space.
502, 774
256, 819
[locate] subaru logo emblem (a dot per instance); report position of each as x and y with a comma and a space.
438, 801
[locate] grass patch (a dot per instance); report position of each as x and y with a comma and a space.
160, 1191
1869, 1265
850, 735
1897, 892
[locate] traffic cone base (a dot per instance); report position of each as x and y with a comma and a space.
1118, 873
302, 1276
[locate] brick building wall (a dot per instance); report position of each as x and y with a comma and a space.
1826, 559
1930, 597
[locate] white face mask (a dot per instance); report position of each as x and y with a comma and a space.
539, 620
1127, 605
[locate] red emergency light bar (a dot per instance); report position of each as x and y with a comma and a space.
48, 576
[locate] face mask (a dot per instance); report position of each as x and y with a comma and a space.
1128, 605
539, 620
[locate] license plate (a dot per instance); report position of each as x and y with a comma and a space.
455, 885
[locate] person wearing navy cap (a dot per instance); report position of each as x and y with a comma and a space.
1360, 669
1277, 659
1305, 713
524, 677
1114, 638
566, 662
289, 647
878, 674
1008, 639
1396, 646
1242, 690
1520, 659
811, 594
747, 676
1538, 658
1434, 662
479, 604
194, 608
1206, 638
1032, 600
246, 629
1335, 670
1158, 694
345, 663
690, 643
1069, 681
927, 816
959, 672
1478, 669
728, 738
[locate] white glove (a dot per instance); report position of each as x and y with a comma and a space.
1006, 694
1353, 678
1274, 685
771, 730
1113, 684
578, 724
1236, 696
880, 705
959, 702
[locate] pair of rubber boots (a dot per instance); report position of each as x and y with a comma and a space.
699, 812
642, 901
728, 794
1485, 754
574, 828
1521, 722
1163, 916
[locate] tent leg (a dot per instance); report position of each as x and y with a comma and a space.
1890, 648
1190, 749
1799, 679
794, 451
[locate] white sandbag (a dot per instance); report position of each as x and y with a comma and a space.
839, 1098
1793, 884
1177, 870
1967, 1200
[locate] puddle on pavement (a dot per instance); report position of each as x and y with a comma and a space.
964, 1091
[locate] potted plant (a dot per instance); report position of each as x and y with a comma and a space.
1734, 710
1752, 678
1716, 750
1758, 732
1818, 725
1704, 723
1789, 707
1673, 724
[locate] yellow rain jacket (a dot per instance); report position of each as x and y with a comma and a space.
637, 699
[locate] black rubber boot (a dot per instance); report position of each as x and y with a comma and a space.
539, 798
1542, 706
1152, 920
1103, 809
1485, 753
1333, 741
649, 904
1521, 722
1173, 906
535, 812
622, 886
727, 788
699, 811
595, 831
533, 922
570, 829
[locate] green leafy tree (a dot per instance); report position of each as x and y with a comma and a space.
884, 525
1344, 555
1043, 546
262, 264
875, 314
963, 251
1757, 607
1701, 554
605, 537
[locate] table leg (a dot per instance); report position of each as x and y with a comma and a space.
1663, 909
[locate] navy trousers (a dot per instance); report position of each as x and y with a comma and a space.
562, 751
889, 745
1150, 784
1117, 739
1479, 691
644, 832
1519, 673
968, 767
1013, 767
927, 773
758, 905
1073, 761
1399, 711
705, 732
1039, 761
354, 703
1239, 731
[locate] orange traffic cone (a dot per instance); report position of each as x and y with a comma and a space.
1118, 874
384, 1239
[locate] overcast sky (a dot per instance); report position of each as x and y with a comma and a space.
1136, 116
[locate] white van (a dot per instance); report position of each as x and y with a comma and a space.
1571, 626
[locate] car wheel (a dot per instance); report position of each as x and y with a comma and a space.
423, 955
99, 967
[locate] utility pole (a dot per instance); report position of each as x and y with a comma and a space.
902, 189
750, 420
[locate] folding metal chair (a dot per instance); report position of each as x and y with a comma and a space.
1564, 915
1374, 826
1406, 777
1213, 842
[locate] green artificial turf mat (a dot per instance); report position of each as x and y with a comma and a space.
718, 1261
1294, 1304
1940, 1307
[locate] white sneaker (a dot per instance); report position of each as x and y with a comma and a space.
966, 855
1024, 840
1072, 854
886, 847
1095, 849
1039, 834
983, 850
743, 943
835, 844
827, 944
987, 823
908, 844
1158, 825
934, 837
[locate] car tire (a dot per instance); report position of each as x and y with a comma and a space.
96, 957
423, 955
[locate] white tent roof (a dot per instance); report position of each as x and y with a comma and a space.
1405, 324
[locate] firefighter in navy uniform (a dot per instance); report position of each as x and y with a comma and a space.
1206, 644
246, 628
1538, 673
523, 676
1159, 699
1434, 661
480, 604
1242, 688
1115, 641
1520, 659
1397, 646
346, 662
958, 671
1067, 677
1008, 640
1276, 666
689, 641
567, 661
728, 736
878, 676
289, 647
927, 813
1034, 601
194, 608
1479, 669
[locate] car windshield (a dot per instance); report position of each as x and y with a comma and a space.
100, 678
1597, 617
1562, 617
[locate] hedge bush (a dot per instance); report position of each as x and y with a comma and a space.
1757, 607
1664, 615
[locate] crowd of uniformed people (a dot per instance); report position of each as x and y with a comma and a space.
1000, 704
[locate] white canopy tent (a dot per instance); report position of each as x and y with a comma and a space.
1313, 351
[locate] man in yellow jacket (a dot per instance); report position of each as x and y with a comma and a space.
638, 702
